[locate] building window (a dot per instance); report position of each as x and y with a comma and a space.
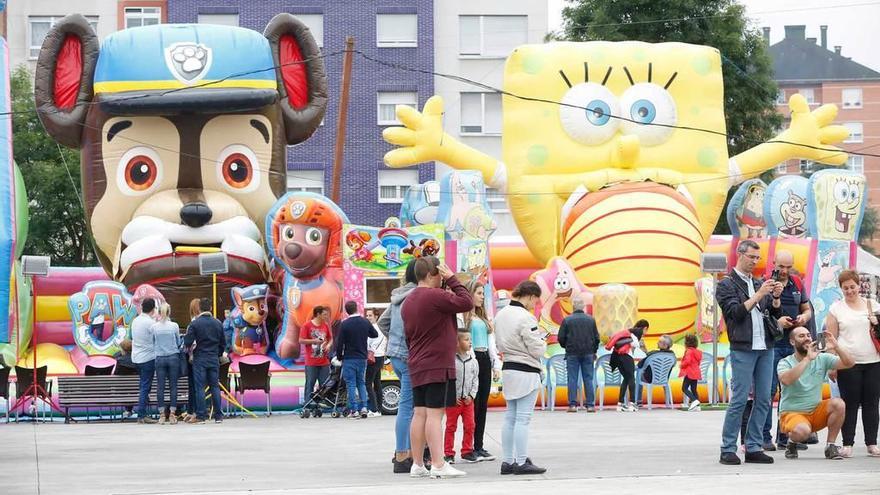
39, 26
491, 35
780, 97
378, 290
497, 200
142, 16
806, 166
809, 94
306, 180
394, 183
219, 19
782, 168
481, 113
388, 101
315, 23
852, 98
856, 163
856, 134
397, 30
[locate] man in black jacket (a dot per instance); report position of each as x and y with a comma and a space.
351, 349
207, 334
579, 337
744, 301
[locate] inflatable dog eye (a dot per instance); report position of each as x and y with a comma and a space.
183, 131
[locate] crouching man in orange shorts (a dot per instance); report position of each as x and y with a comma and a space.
801, 408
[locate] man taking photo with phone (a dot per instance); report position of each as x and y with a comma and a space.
802, 411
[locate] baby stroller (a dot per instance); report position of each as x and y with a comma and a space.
330, 395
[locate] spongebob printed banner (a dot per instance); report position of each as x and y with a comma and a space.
390, 248
785, 207
836, 204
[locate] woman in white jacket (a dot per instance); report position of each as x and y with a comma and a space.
522, 345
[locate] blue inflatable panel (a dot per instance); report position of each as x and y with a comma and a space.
7, 196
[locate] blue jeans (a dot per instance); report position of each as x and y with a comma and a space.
580, 367
314, 374
167, 367
353, 371
749, 369
781, 350
207, 375
515, 431
146, 371
404, 407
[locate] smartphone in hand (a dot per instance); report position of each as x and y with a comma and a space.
775, 275
820, 342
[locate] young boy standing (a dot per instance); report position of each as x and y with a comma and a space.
467, 373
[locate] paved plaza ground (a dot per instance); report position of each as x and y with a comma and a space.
658, 451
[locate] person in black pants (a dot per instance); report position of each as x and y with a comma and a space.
375, 347
483, 342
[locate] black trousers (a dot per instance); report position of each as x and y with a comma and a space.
860, 387
627, 368
373, 381
689, 388
481, 402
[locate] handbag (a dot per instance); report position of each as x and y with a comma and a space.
371, 356
873, 330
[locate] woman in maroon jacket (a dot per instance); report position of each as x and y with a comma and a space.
429, 316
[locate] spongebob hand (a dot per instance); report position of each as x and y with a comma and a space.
813, 134
422, 139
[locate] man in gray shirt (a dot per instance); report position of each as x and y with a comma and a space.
143, 355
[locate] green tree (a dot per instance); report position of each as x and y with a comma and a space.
749, 88
52, 181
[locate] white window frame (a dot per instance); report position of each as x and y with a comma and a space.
384, 178
313, 179
780, 97
497, 200
397, 43
782, 168
805, 166
376, 304
34, 50
855, 137
856, 163
844, 100
139, 13
237, 19
311, 20
809, 94
483, 53
409, 98
482, 131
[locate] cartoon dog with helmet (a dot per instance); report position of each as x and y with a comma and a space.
304, 237
183, 130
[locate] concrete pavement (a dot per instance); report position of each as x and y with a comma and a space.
656, 451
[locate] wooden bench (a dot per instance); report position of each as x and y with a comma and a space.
109, 391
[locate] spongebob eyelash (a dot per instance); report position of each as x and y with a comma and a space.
629, 76
586, 72
669, 83
607, 75
564, 78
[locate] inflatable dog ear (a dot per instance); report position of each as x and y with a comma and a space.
302, 83
63, 78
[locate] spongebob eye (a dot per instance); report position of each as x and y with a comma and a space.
854, 194
651, 113
841, 192
588, 113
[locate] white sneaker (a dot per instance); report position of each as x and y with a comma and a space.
447, 471
417, 471
695, 406
631, 408
374, 414
621, 407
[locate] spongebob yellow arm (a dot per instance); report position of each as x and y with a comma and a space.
809, 136
422, 139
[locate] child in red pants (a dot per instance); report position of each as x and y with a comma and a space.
467, 377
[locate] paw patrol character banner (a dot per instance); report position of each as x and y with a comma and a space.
304, 238
184, 131
785, 207
250, 335
390, 248
101, 314
745, 212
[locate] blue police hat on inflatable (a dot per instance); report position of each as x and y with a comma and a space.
175, 68
254, 292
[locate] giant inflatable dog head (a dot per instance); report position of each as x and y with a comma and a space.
183, 131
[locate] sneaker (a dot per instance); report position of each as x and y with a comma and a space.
163, 420
791, 450
591, 409
729, 459
528, 468
769, 447
126, 414
417, 471
404, 466
364, 413
218, 420
631, 408
193, 420
758, 457
621, 407
572, 409
695, 406
484, 455
172, 419
353, 415
873, 451
471, 457
374, 414
449, 459
147, 421
846, 451
832, 452
508, 468
447, 471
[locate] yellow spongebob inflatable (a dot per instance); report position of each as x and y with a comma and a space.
615, 157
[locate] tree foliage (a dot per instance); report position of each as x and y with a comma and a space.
57, 225
749, 88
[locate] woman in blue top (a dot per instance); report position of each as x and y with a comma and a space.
166, 340
483, 342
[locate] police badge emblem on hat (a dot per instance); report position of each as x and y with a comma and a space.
188, 61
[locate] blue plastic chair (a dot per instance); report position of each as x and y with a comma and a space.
609, 378
661, 365
557, 374
705, 371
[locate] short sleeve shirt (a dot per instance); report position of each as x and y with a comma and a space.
804, 394
315, 355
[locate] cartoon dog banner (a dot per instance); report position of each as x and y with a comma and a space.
390, 248
785, 207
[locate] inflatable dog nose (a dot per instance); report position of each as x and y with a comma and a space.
292, 250
195, 215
